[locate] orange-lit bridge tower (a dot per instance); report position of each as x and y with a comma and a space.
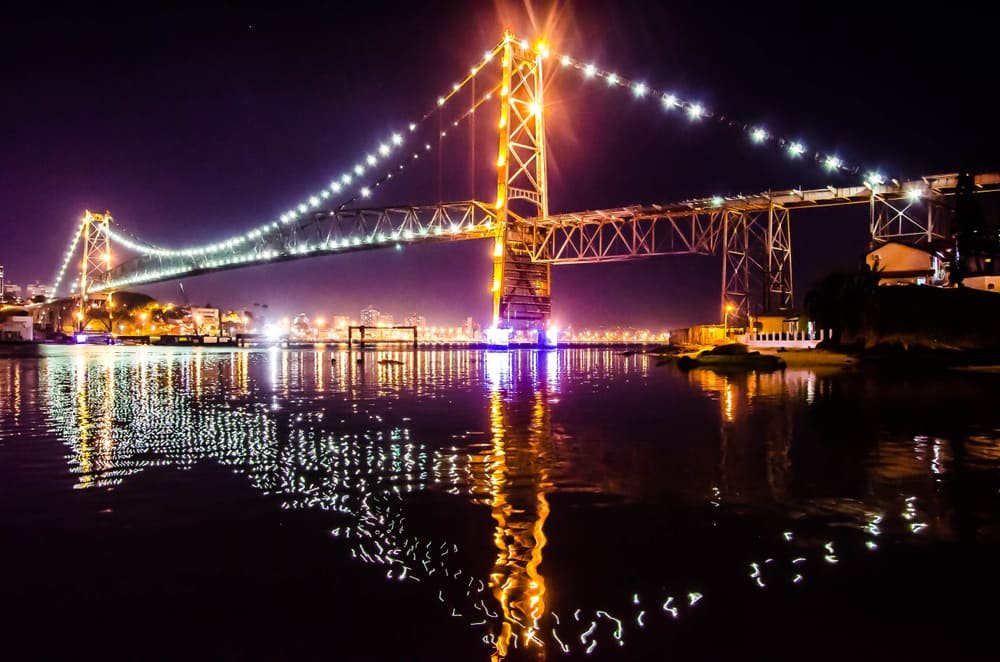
521, 284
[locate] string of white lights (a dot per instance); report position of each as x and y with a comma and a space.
67, 257
368, 190
383, 151
696, 111
213, 261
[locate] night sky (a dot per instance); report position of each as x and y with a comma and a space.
190, 123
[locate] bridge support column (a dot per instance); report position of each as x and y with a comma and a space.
524, 299
96, 261
736, 263
778, 296
521, 287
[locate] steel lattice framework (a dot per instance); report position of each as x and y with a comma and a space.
96, 262
323, 233
521, 285
751, 233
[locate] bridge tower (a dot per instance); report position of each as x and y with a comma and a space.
778, 246
738, 230
521, 287
96, 261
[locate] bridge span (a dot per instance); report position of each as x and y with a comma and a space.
752, 234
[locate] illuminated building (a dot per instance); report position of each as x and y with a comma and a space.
370, 316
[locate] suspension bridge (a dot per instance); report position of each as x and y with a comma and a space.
752, 234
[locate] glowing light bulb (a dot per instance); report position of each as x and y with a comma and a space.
397, 139
875, 177
589, 71
832, 163
383, 149
564, 60
914, 194
796, 149
345, 178
413, 127
639, 89
612, 79
359, 170
440, 101
366, 192
314, 201
302, 209
524, 44
371, 160
696, 111
534, 108
669, 101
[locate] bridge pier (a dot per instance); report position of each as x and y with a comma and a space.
521, 283
756, 258
524, 298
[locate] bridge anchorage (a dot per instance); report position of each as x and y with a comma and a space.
751, 234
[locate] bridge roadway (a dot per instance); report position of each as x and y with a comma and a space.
689, 227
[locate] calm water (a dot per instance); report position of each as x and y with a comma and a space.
173, 503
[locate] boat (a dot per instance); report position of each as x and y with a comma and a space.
734, 356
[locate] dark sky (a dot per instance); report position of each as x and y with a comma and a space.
193, 121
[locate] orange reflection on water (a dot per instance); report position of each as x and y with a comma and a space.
518, 481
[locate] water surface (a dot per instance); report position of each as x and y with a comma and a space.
474, 505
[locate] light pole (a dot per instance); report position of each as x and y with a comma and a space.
725, 320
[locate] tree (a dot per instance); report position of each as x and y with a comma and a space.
845, 302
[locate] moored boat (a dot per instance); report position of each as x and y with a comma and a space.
735, 356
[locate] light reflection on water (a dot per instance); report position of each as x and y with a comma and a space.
832, 464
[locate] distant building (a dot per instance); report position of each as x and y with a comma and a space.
897, 263
369, 316
340, 323
36, 289
234, 322
384, 319
776, 323
301, 327
705, 334
416, 320
11, 292
206, 321
471, 328
16, 325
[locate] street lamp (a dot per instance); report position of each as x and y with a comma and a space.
725, 319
